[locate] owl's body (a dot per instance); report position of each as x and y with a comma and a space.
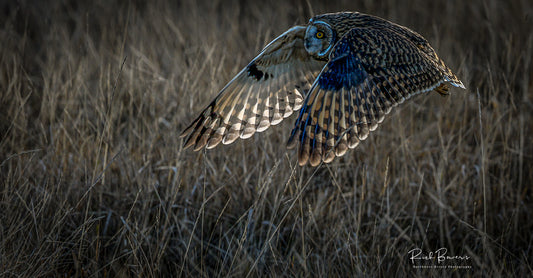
343, 72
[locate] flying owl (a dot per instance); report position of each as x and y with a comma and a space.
343, 73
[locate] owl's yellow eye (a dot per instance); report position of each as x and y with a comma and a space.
319, 35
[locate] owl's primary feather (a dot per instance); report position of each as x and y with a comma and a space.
372, 66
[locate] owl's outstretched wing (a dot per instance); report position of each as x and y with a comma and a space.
265, 92
370, 70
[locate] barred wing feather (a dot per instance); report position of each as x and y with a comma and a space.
265, 92
370, 70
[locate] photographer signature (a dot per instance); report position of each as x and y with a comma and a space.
439, 255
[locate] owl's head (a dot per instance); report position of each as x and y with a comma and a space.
319, 38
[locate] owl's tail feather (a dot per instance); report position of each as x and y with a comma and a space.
443, 88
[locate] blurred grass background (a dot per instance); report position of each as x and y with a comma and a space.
94, 181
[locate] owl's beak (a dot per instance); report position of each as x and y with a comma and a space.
307, 44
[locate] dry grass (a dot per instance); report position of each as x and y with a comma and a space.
94, 182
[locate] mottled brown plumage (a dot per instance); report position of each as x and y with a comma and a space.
345, 71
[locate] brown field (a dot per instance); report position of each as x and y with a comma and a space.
94, 181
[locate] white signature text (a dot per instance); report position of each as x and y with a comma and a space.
439, 255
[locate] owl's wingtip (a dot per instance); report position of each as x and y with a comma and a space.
184, 133
189, 135
291, 143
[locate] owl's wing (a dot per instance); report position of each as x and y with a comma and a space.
370, 70
265, 92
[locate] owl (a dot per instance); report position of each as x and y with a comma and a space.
342, 73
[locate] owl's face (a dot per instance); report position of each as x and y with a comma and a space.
319, 38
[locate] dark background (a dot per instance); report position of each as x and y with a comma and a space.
94, 181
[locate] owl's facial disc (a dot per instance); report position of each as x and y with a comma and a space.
319, 38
